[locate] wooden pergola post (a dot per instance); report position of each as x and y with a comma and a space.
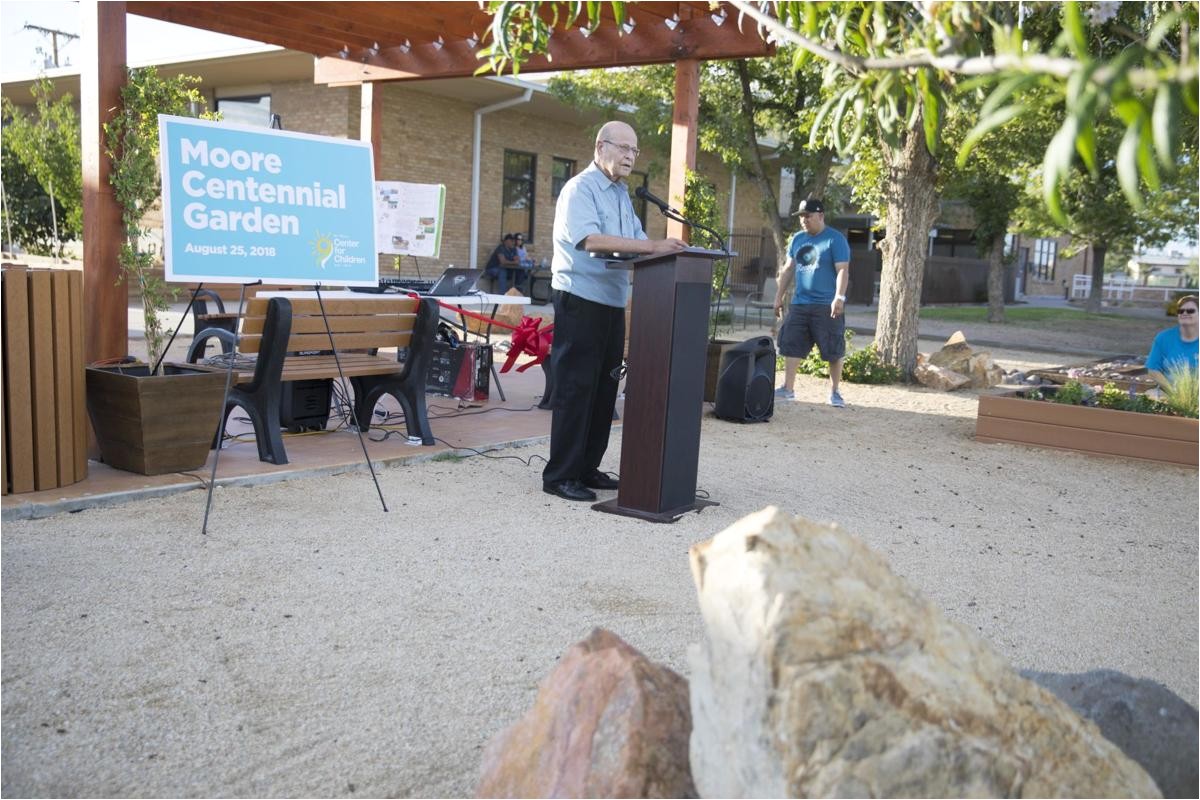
370, 120
683, 137
105, 299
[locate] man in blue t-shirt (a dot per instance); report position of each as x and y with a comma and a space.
1178, 347
818, 265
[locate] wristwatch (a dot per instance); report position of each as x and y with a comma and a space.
841, 297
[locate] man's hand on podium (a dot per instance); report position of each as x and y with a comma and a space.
668, 245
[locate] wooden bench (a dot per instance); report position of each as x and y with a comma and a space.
290, 338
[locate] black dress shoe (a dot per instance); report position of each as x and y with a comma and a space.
600, 480
569, 490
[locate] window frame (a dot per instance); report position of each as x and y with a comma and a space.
557, 184
266, 123
530, 193
1044, 258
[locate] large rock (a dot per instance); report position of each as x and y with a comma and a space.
1151, 724
939, 378
955, 354
983, 371
606, 723
824, 674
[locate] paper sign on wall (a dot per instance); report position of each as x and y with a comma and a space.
242, 204
408, 218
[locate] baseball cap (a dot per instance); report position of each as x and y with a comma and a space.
810, 206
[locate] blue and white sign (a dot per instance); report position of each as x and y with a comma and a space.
244, 204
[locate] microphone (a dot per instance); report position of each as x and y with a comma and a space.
643, 194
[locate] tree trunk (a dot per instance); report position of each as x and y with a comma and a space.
1096, 296
760, 173
995, 280
911, 210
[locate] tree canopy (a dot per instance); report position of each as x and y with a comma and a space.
48, 145
898, 63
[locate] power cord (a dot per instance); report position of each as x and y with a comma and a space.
528, 462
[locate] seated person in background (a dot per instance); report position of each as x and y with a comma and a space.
1176, 347
503, 264
523, 257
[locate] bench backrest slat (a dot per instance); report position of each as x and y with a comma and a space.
356, 324
343, 324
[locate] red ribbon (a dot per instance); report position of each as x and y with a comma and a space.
528, 337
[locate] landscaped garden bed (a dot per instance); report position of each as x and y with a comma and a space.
1031, 416
1126, 372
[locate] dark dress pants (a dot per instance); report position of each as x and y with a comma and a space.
589, 341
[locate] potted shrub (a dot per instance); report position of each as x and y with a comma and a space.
1104, 421
150, 418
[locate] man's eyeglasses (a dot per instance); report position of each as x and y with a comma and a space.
1186, 312
627, 149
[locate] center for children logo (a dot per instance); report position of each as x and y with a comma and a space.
322, 248
328, 246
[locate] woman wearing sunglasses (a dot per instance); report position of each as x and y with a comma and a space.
1177, 347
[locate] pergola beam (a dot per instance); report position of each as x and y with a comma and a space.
569, 49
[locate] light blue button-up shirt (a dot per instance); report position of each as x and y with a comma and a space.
592, 203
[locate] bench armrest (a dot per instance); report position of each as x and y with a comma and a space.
200, 343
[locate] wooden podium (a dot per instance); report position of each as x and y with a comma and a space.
664, 391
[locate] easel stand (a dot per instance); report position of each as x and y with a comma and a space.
212, 479
664, 398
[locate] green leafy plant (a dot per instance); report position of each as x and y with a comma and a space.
1182, 391
1180, 398
27, 216
862, 365
46, 143
700, 205
132, 145
1113, 397
1071, 393
866, 365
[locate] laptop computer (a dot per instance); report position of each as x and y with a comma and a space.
455, 282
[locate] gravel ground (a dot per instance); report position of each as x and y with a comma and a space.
312, 645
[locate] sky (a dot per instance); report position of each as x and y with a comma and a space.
146, 39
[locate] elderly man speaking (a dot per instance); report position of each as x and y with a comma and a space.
593, 215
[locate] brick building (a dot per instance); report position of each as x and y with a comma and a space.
527, 149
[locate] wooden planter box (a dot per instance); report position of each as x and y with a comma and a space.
155, 424
1101, 431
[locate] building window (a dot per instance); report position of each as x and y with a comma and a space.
1045, 254
561, 171
516, 215
635, 180
254, 110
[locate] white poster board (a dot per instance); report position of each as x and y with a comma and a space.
408, 218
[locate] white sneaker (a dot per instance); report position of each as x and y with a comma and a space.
836, 400
783, 393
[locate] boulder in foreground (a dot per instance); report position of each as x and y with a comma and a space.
825, 675
606, 723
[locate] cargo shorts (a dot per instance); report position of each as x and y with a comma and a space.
810, 324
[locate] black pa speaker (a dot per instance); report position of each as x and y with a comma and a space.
746, 381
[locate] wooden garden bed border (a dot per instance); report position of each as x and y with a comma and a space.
1005, 417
